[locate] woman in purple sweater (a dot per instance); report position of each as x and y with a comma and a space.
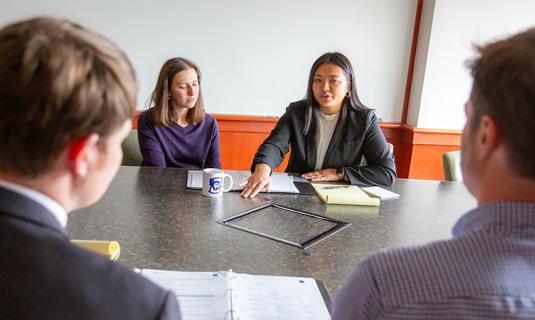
176, 131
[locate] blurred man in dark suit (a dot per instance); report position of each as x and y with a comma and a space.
67, 96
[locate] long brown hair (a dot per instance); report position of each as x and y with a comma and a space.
162, 113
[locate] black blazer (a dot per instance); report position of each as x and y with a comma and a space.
44, 276
357, 135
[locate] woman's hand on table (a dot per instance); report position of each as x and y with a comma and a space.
321, 175
257, 181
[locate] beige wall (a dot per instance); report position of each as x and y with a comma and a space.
255, 55
442, 86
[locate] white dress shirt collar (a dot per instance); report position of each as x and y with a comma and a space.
51, 205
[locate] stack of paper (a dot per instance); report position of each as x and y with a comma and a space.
280, 181
229, 295
344, 194
381, 193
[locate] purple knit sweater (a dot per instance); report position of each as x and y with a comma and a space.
192, 147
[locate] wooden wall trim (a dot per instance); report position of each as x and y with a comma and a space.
423, 149
136, 116
417, 151
239, 117
232, 119
256, 124
410, 71
245, 124
443, 137
390, 125
254, 120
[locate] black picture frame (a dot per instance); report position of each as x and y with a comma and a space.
339, 225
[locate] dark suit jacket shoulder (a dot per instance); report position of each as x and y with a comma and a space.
44, 276
357, 135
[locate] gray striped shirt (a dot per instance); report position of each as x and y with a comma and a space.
487, 271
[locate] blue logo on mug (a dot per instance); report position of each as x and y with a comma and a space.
215, 185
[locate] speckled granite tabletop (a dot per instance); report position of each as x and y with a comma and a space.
161, 224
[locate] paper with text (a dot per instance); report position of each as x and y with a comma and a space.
278, 298
229, 295
280, 182
200, 295
381, 193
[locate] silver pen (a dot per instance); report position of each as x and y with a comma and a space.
334, 187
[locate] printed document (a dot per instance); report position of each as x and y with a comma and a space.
229, 295
280, 181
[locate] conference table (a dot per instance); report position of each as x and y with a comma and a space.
161, 224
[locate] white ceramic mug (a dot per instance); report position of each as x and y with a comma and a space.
213, 182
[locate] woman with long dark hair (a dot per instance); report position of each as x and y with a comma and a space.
329, 133
176, 131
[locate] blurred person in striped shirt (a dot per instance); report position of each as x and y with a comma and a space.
487, 271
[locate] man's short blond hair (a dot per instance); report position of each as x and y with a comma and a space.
58, 82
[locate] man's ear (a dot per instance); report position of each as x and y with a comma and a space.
487, 137
83, 152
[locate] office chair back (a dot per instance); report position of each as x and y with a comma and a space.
451, 161
131, 154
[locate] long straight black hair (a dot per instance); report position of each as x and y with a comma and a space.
340, 60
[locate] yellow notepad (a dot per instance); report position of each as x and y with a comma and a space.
110, 249
344, 194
